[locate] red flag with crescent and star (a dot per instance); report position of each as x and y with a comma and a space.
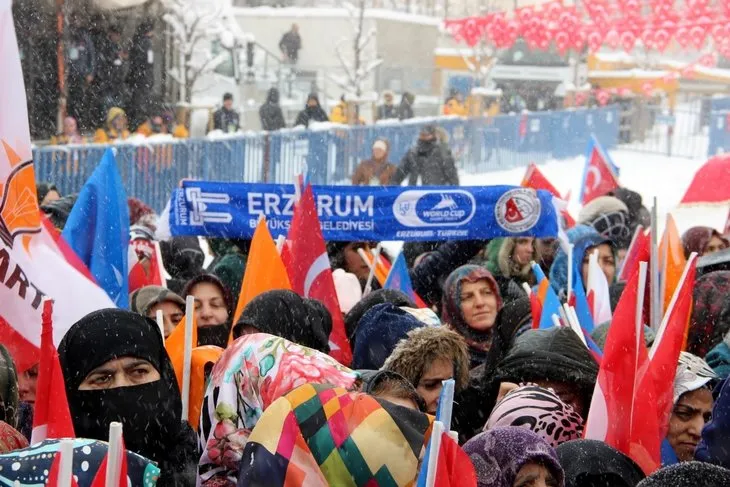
599, 176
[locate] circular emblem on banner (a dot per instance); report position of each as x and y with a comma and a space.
518, 210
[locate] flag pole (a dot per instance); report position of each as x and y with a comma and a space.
160, 323
670, 307
369, 283
641, 288
114, 454
570, 271
187, 354
65, 471
656, 315
433, 453
527, 288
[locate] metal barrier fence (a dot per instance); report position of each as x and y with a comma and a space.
151, 170
719, 127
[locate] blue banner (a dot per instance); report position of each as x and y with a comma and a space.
365, 213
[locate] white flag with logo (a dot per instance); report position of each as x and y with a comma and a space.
31, 265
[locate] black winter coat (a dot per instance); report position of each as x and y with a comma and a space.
432, 162
556, 354
475, 403
226, 120
311, 114
386, 112
272, 118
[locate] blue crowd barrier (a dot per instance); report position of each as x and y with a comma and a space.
152, 169
719, 133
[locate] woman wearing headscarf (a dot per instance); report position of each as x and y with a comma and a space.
585, 241
703, 240
710, 320
10, 437
8, 389
539, 410
508, 259
471, 303
692, 408
554, 358
287, 315
427, 357
116, 369
380, 330
213, 309
379, 296
514, 457
713, 445
688, 474
317, 436
252, 373
592, 463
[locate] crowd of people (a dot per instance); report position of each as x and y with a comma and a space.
271, 407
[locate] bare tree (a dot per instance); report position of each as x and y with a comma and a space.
194, 25
356, 62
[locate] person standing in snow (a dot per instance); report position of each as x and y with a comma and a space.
290, 45
226, 118
376, 171
429, 163
405, 109
81, 68
387, 110
313, 112
112, 66
141, 77
272, 118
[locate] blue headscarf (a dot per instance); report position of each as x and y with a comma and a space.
582, 237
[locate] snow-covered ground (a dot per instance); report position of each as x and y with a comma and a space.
651, 175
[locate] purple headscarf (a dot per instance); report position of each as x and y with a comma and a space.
539, 410
500, 453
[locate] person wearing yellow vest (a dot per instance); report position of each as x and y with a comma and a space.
116, 127
454, 105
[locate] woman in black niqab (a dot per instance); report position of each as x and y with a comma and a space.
116, 369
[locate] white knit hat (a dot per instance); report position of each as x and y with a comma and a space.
349, 292
380, 144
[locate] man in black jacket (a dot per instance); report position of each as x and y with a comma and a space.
313, 112
272, 118
226, 118
81, 66
387, 110
290, 44
429, 163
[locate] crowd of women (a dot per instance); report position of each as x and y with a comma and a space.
272, 408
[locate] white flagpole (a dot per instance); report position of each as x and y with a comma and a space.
65, 472
160, 323
187, 355
656, 314
114, 454
376, 258
570, 271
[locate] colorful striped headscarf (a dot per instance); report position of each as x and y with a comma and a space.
319, 436
253, 372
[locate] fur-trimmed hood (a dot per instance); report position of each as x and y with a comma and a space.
424, 345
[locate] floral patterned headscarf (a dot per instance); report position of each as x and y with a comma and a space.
451, 312
253, 372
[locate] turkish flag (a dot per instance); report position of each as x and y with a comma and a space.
599, 177
310, 275
535, 179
